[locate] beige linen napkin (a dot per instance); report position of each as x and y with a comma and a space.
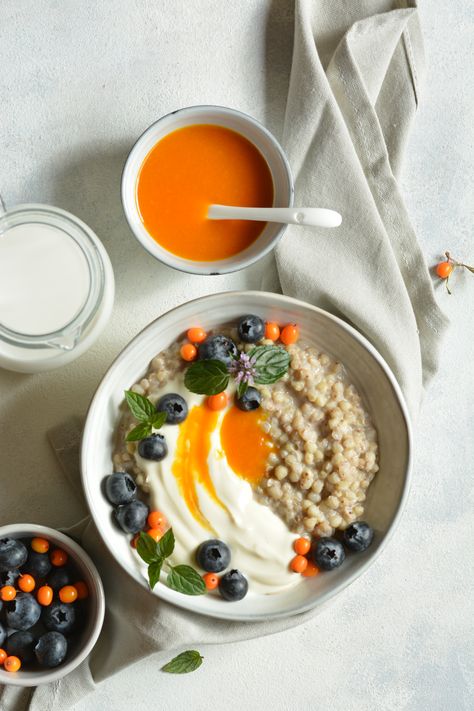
353, 93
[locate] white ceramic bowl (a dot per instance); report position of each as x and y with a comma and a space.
254, 132
366, 369
96, 606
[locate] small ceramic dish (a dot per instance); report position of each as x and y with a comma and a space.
87, 637
366, 369
236, 121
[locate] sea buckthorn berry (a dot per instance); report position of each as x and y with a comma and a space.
272, 331
155, 533
26, 582
310, 571
68, 594
196, 335
134, 540
188, 352
7, 593
444, 269
302, 546
298, 564
211, 581
156, 519
82, 590
58, 557
3, 656
40, 545
45, 595
290, 334
12, 664
217, 402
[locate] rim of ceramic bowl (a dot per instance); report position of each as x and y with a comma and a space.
46, 676
326, 596
231, 264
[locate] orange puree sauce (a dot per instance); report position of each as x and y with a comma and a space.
190, 169
245, 444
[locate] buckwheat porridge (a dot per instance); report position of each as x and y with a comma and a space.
261, 441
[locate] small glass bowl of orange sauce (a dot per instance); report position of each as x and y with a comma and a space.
195, 157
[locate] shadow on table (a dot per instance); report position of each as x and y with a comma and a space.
278, 55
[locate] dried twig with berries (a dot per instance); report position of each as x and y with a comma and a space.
446, 268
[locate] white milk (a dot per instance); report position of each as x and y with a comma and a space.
44, 278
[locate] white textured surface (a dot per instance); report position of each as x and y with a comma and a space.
79, 82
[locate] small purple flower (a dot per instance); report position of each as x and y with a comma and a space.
243, 369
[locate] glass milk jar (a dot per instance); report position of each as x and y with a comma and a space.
56, 288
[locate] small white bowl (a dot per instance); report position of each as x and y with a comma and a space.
366, 369
241, 123
96, 606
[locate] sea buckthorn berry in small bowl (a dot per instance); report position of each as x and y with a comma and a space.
40, 545
7, 593
196, 335
217, 402
82, 590
188, 352
58, 557
211, 581
26, 583
298, 564
290, 334
156, 519
272, 331
45, 595
68, 594
12, 664
302, 546
3, 656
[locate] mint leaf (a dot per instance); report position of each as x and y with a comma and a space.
242, 389
165, 545
139, 432
206, 377
157, 420
140, 406
154, 570
147, 549
270, 363
186, 580
185, 662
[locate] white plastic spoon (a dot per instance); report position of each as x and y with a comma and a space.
311, 216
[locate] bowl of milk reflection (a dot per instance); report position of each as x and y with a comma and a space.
56, 288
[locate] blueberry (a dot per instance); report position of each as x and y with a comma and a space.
59, 617
218, 348
175, 407
153, 447
251, 328
233, 586
9, 578
250, 400
23, 612
358, 536
120, 488
21, 644
328, 553
38, 564
213, 556
51, 649
59, 578
3, 634
13, 554
131, 517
